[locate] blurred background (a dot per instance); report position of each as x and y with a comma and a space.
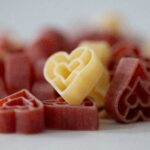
27, 16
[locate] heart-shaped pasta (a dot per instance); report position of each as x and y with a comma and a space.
103, 52
21, 112
101, 48
75, 75
128, 97
99, 91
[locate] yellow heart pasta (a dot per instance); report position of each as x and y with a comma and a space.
74, 76
101, 49
103, 52
99, 91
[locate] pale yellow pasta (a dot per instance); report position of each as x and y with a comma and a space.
99, 91
101, 49
113, 23
74, 76
103, 52
146, 48
103, 114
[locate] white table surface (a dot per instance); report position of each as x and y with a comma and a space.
110, 136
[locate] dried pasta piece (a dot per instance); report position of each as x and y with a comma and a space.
99, 91
17, 72
9, 43
101, 49
84, 35
47, 43
112, 23
73, 76
1, 69
21, 112
3, 91
103, 52
123, 49
128, 98
60, 115
38, 70
43, 90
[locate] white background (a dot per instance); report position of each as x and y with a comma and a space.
26, 17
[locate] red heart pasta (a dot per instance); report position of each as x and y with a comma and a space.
146, 62
128, 98
43, 90
1, 68
17, 72
92, 35
38, 70
21, 112
47, 43
122, 49
60, 115
3, 92
126, 48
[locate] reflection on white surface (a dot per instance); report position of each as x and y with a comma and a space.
110, 136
